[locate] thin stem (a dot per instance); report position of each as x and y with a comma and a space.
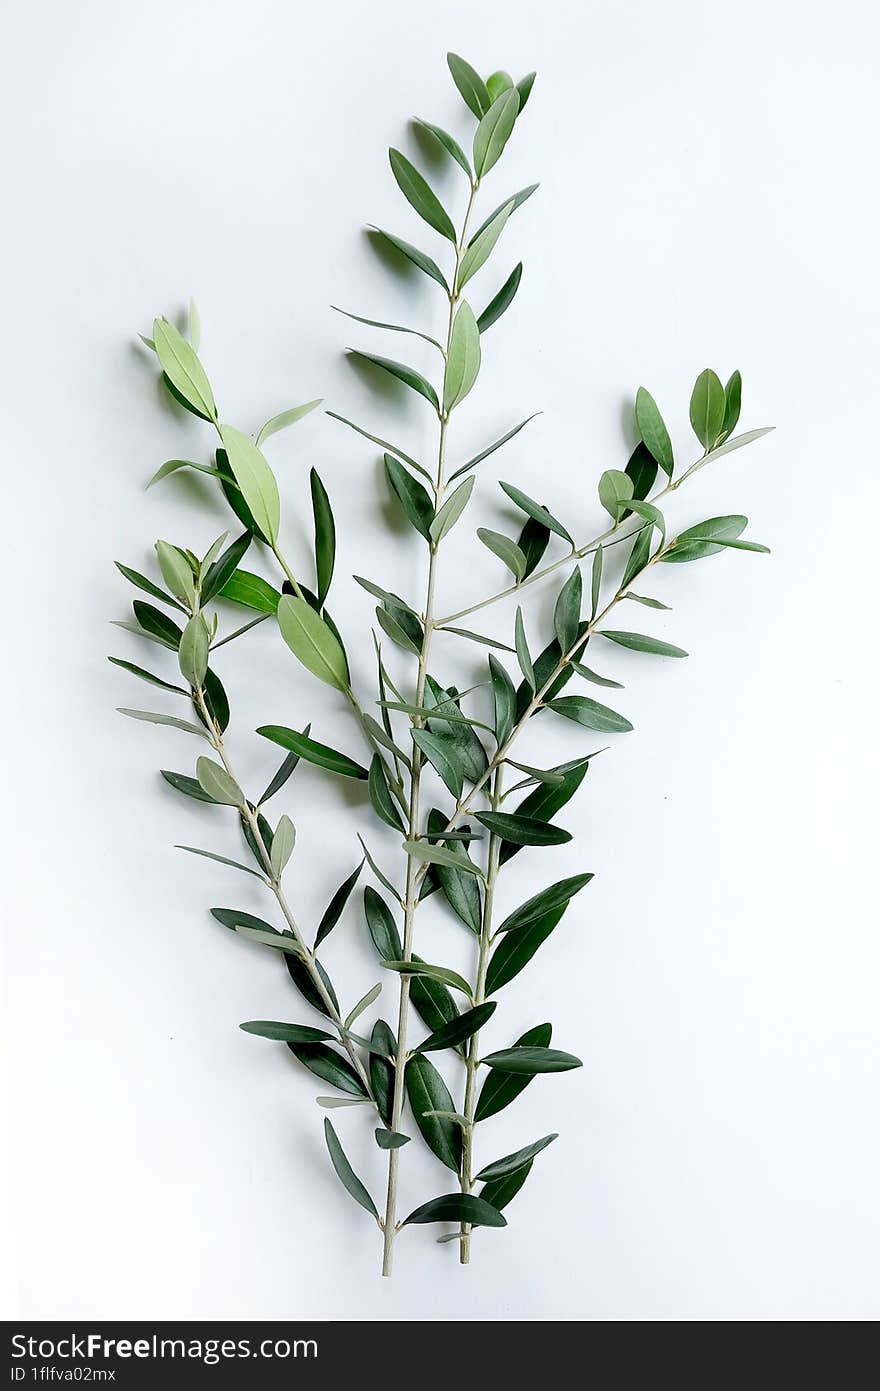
413, 816
470, 1092
308, 956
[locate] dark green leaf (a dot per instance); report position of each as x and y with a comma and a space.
147, 676
413, 498
285, 1033
534, 509
707, 408
511, 1162
381, 925
325, 536
653, 430
428, 1092
383, 1046
522, 830
391, 328
517, 948
504, 694
500, 302
460, 888
638, 642
157, 624
638, 557
477, 637
697, 541
642, 469
457, 1207
221, 860
484, 453
216, 700
234, 918
533, 541
190, 787
470, 84
223, 569
590, 714
416, 967
522, 1059
442, 753
414, 380
333, 911
390, 1139
141, 582
418, 258
299, 974
567, 614
419, 194
501, 1191
522, 651
501, 1088
649, 603
596, 679
395, 630
329, 1065
458, 1030
595, 582
450, 145
383, 444
283, 773
380, 795
347, 1176
170, 720
431, 999
313, 752
732, 404
514, 202
524, 87
547, 800
557, 895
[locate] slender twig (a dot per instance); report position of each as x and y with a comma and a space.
413, 879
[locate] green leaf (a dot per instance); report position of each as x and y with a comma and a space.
469, 83
176, 572
653, 430
363, 1003
325, 535
157, 625
147, 676
346, 1174
517, 948
649, 603
501, 1088
319, 754
590, 714
428, 854
216, 700
556, 896
285, 1033
505, 549
174, 465
449, 143
192, 654
381, 925
744, 546
397, 633
333, 911
594, 676
377, 871
511, 1162
738, 441
499, 82
457, 1207
416, 967
463, 358
141, 582
457, 1030
428, 1092
483, 244
442, 754
459, 886
181, 366
390, 1139
545, 801
638, 557
412, 496
414, 380
252, 591
169, 720
707, 408
329, 1065
255, 479
451, 510
477, 637
567, 613
484, 453
638, 642
517, 200
522, 650
504, 694
732, 404
615, 489
312, 641
383, 1046
535, 774
502, 301
236, 864
494, 131
697, 541
219, 786
524, 87
222, 571
283, 773
283, 842
380, 795
535, 510
281, 422
522, 1059
234, 918
383, 444
190, 787
418, 258
302, 979
392, 328
596, 582
642, 469
419, 194
522, 830
502, 1191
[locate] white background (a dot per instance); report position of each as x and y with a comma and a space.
708, 195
